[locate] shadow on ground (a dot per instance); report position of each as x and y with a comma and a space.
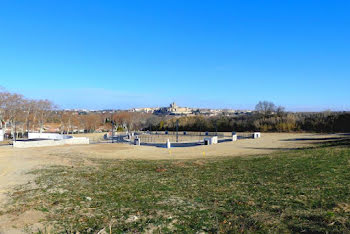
344, 141
315, 143
326, 141
313, 139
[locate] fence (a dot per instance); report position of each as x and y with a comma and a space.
162, 136
183, 136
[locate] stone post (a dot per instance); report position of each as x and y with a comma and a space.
168, 144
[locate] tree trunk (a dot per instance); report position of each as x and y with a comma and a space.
12, 129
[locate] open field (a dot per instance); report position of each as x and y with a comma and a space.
204, 188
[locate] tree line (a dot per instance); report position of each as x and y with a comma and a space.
266, 118
22, 115
31, 114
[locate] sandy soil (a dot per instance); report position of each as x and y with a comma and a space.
15, 163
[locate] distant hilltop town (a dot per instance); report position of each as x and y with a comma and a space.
174, 109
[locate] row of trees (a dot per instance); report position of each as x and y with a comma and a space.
266, 118
290, 122
70, 121
15, 109
22, 115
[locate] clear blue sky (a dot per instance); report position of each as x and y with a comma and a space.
223, 54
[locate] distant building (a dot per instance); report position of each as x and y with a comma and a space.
144, 110
174, 109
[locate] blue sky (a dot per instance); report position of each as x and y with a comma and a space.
218, 54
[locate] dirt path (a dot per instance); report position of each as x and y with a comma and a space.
15, 163
14, 167
12, 170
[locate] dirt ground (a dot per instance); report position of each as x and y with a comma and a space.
15, 163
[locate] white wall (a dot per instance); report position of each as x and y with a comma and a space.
51, 142
53, 136
1, 135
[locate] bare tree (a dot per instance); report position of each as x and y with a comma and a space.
12, 108
28, 113
44, 109
123, 119
280, 111
3, 95
265, 108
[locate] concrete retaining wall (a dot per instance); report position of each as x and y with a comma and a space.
52, 136
50, 142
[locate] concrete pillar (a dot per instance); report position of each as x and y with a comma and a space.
256, 135
168, 144
234, 137
211, 140
137, 141
214, 140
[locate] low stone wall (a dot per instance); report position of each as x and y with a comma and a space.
49, 142
39, 143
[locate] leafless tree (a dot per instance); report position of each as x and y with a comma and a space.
44, 109
280, 111
265, 108
29, 107
12, 105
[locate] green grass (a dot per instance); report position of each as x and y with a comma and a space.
296, 191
